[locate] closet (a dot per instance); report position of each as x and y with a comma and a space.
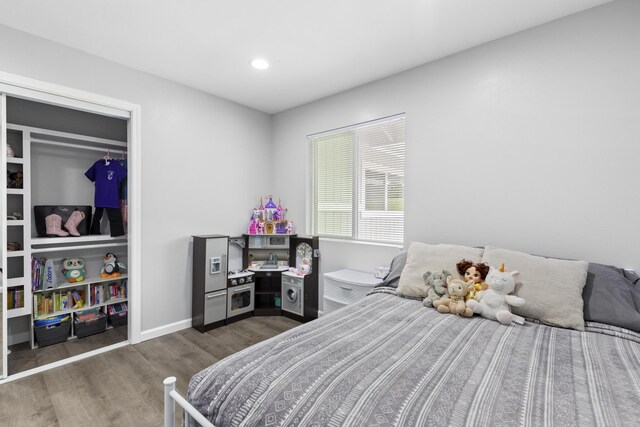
46, 151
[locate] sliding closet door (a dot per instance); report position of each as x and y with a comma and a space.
3, 237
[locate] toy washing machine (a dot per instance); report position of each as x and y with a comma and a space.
293, 293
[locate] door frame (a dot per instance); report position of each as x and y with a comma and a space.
49, 93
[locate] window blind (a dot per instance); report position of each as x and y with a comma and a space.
357, 181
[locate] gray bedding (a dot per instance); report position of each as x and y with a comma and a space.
390, 361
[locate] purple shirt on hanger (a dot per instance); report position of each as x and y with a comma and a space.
107, 179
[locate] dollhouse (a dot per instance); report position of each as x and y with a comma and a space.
270, 219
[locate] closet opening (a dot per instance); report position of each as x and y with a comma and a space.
66, 255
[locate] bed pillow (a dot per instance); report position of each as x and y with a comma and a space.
423, 257
395, 270
551, 288
610, 297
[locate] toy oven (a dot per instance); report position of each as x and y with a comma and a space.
240, 299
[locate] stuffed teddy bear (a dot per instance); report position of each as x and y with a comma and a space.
454, 303
436, 282
73, 269
474, 274
495, 301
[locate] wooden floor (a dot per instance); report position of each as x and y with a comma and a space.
23, 357
124, 387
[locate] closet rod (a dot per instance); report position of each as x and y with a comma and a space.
82, 147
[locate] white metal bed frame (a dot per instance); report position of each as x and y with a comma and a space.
171, 396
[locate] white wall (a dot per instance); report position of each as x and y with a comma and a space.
529, 142
201, 165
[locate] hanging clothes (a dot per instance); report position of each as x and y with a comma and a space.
124, 205
107, 174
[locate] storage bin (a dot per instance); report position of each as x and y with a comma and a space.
53, 333
331, 305
119, 319
348, 286
84, 328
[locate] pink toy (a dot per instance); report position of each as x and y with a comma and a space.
255, 223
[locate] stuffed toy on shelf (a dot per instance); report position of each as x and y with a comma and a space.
73, 269
454, 302
495, 303
112, 267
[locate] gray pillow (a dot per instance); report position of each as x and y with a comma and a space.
397, 264
610, 297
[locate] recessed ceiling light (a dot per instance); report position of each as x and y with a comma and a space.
260, 64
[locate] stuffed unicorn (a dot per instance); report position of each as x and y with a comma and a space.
495, 301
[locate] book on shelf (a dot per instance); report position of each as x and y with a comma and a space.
15, 298
118, 290
56, 301
38, 273
76, 294
97, 294
64, 302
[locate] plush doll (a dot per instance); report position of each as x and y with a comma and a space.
454, 303
73, 269
495, 302
112, 267
436, 282
474, 273
305, 267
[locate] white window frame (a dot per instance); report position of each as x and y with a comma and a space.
358, 190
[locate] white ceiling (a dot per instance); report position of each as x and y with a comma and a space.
316, 47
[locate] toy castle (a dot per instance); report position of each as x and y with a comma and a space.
270, 219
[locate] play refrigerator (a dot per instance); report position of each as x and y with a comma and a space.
209, 294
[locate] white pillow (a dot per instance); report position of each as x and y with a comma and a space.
551, 288
423, 257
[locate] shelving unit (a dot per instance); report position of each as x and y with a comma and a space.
86, 286
26, 141
16, 230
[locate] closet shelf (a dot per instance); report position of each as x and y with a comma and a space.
89, 281
75, 310
15, 191
15, 160
47, 135
15, 222
15, 253
39, 241
17, 281
17, 312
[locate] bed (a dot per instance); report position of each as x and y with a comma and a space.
387, 360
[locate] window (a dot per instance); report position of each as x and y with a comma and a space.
357, 181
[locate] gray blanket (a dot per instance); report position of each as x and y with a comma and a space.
388, 360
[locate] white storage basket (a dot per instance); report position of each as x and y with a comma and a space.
331, 305
348, 286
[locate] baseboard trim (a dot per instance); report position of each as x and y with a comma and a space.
320, 313
63, 362
164, 330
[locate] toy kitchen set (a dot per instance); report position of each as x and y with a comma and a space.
266, 272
